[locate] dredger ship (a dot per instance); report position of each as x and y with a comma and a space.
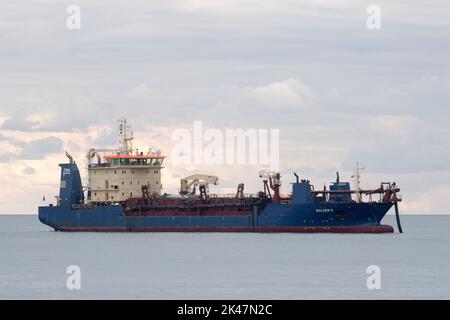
124, 193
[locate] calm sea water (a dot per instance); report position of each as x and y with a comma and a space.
416, 264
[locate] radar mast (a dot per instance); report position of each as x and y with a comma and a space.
125, 137
357, 180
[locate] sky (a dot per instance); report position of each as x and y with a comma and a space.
338, 92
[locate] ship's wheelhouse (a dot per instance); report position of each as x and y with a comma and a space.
135, 160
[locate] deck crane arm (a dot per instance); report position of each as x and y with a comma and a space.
188, 184
275, 183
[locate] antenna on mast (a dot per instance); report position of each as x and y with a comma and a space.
125, 137
356, 180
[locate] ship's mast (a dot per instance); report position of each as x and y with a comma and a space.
125, 137
356, 180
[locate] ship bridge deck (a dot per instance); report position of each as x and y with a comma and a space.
130, 160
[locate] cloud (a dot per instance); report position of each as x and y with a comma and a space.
9, 148
28, 122
143, 90
16, 124
37, 149
394, 123
29, 171
333, 92
399, 144
3, 118
288, 94
435, 200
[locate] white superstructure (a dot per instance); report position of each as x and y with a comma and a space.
117, 175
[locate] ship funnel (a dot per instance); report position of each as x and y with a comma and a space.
70, 190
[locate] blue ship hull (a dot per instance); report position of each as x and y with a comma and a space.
302, 213
357, 217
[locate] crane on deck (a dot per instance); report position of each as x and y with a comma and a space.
188, 185
272, 179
